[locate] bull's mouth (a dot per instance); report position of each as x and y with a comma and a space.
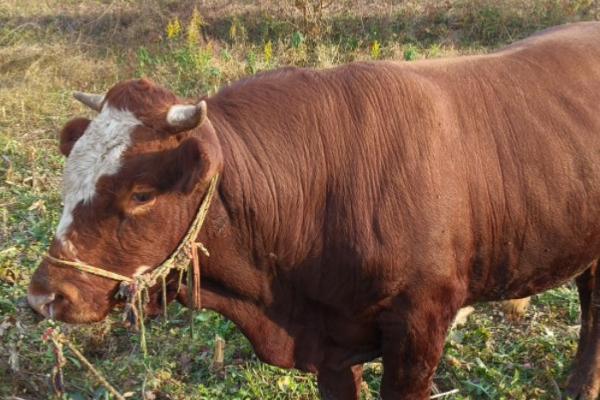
154, 307
41, 304
61, 309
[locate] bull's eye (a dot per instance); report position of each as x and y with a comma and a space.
142, 197
140, 200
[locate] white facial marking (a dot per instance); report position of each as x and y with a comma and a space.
97, 153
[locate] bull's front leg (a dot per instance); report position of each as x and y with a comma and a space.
343, 384
413, 335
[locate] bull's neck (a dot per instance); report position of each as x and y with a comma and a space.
233, 228
252, 236
270, 199
264, 218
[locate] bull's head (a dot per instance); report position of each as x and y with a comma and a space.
133, 180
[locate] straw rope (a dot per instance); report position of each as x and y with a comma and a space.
90, 269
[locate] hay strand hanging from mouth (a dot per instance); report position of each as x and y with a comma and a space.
140, 301
164, 298
194, 271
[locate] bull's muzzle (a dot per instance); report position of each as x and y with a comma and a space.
42, 303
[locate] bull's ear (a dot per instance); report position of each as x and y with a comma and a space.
186, 116
71, 132
191, 163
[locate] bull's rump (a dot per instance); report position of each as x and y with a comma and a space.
527, 121
486, 167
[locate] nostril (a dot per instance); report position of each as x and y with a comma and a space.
58, 302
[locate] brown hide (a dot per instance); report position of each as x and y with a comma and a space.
345, 188
361, 206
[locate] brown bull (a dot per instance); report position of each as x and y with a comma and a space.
359, 207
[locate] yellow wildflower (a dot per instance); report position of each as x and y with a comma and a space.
375, 50
268, 50
173, 28
233, 30
194, 28
237, 32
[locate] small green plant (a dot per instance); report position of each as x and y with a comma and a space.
144, 61
410, 53
297, 39
226, 55
434, 51
208, 71
251, 62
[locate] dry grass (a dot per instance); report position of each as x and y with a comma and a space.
50, 48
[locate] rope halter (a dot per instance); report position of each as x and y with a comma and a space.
132, 289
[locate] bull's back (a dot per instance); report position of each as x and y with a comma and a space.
484, 166
528, 119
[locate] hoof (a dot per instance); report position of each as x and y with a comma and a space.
569, 395
582, 387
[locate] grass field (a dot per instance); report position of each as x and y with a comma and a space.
50, 48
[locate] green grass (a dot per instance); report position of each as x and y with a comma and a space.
48, 49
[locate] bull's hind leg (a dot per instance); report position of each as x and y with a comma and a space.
343, 384
584, 382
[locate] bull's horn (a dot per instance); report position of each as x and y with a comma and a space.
93, 101
187, 116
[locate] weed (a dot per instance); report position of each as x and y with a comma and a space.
251, 67
173, 28
434, 51
268, 52
194, 28
410, 52
297, 39
237, 31
375, 50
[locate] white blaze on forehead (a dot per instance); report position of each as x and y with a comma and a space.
97, 153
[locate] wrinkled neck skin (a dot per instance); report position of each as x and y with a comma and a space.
249, 247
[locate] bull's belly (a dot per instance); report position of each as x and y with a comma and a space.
531, 260
530, 280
